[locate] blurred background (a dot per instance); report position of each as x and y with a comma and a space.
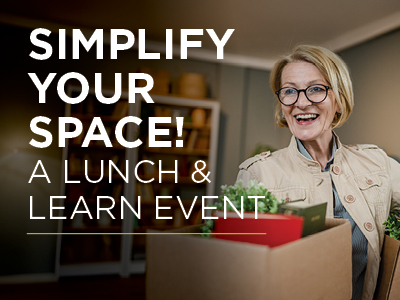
366, 34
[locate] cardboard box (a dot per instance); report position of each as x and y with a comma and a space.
191, 267
388, 286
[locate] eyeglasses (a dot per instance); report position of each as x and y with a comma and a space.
315, 93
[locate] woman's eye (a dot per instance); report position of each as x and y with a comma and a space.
316, 89
289, 91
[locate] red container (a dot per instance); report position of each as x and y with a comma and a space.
280, 229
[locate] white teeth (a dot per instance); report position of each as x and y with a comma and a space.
308, 116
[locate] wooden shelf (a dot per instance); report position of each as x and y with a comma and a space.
76, 264
81, 254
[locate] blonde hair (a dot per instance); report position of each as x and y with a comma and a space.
334, 70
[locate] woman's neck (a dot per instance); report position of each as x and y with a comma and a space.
320, 151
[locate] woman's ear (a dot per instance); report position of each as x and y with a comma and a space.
338, 109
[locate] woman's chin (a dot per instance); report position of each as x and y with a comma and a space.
303, 134
312, 135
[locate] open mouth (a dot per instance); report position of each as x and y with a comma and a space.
306, 118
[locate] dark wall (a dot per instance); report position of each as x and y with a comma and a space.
19, 104
247, 108
21, 253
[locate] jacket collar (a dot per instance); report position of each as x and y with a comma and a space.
311, 164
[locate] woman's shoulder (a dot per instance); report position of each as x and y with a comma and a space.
263, 167
263, 158
364, 150
366, 153
361, 147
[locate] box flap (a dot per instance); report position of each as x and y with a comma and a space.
395, 287
331, 222
190, 267
185, 267
389, 270
298, 266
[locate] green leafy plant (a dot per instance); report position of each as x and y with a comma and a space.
235, 192
393, 224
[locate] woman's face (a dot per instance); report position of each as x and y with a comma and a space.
318, 128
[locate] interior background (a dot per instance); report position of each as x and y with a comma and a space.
247, 106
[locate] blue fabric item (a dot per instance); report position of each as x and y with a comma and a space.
359, 241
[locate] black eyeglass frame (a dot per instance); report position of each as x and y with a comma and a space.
303, 90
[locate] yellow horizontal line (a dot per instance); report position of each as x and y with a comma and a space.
142, 233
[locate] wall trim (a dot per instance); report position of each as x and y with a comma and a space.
364, 33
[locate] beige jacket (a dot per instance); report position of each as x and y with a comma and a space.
366, 179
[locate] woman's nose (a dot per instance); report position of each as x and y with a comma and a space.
302, 102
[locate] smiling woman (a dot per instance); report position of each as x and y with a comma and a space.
359, 183
309, 121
